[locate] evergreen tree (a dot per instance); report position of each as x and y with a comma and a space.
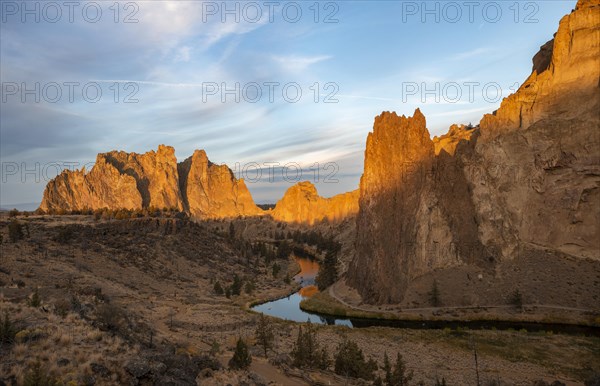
434, 295
387, 369
350, 362
307, 352
236, 287
217, 288
241, 359
401, 376
264, 334
328, 272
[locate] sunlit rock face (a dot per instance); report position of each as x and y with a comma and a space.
528, 177
212, 191
302, 204
154, 179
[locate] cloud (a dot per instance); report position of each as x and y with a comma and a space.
183, 54
470, 54
294, 63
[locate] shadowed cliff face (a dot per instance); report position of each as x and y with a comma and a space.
526, 179
302, 204
154, 179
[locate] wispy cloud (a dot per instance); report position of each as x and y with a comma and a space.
294, 63
470, 54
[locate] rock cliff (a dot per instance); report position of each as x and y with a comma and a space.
302, 204
525, 182
154, 179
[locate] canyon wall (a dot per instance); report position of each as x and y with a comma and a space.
302, 204
526, 180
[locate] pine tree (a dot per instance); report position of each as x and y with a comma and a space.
236, 287
264, 334
307, 352
241, 357
328, 272
217, 288
387, 369
350, 362
434, 295
400, 376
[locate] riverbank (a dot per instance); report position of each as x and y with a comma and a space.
534, 317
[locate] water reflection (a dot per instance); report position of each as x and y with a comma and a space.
289, 308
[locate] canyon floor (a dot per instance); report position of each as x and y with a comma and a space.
121, 299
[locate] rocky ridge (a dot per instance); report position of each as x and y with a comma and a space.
526, 182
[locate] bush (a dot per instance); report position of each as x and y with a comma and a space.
8, 330
434, 295
110, 317
35, 300
241, 357
516, 299
15, 231
218, 289
350, 362
38, 376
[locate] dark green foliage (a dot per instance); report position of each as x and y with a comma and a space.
15, 231
236, 287
218, 289
241, 357
350, 362
400, 376
65, 234
287, 279
249, 287
35, 300
516, 299
307, 352
440, 383
328, 273
387, 369
434, 295
8, 330
264, 334
284, 250
231, 230
38, 376
276, 269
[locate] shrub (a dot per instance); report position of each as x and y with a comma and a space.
217, 288
8, 330
241, 357
516, 299
35, 300
110, 317
434, 295
38, 376
350, 362
13, 213
15, 231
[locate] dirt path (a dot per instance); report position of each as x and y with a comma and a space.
271, 373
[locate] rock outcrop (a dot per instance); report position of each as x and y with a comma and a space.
526, 182
211, 190
302, 204
121, 180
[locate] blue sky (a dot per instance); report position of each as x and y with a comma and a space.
367, 56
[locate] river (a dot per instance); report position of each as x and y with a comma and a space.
288, 308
